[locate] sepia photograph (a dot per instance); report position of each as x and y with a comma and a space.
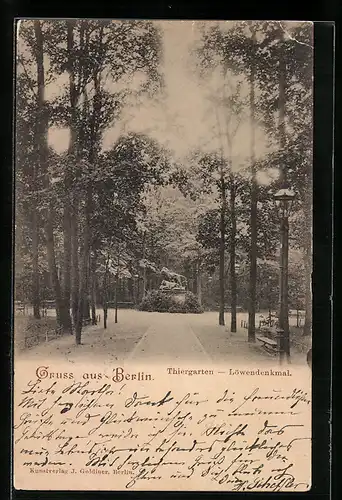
163, 189
163, 230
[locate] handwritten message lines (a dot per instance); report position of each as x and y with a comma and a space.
160, 429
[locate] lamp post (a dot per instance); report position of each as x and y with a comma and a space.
284, 199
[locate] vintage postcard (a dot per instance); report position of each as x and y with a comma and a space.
162, 308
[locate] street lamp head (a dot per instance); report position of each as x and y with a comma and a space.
284, 198
284, 195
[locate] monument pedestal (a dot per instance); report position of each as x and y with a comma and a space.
177, 295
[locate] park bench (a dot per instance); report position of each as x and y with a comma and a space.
267, 335
86, 321
53, 334
124, 305
268, 344
48, 304
45, 306
20, 307
121, 305
35, 337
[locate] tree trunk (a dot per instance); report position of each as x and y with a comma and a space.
116, 300
93, 313
71, 218
222, 249
282, 102
253, 206
307, 202
35, 276
89, 142
42, 150
144, 268
75, 261
105, 293
93, 290
253, 267
232, 250
50, 247
284, 321
117, 286
83, 273
83, 302
130, 286
199, 283
86, 308
232, 256
86, 257
308, 296
105, 314
80, 303
35, 227
84, 142
67, 257
67, 236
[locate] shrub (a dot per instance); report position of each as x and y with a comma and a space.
159, 301
176, 308
191, 303
156, 301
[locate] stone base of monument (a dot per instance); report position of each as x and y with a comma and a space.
178, 296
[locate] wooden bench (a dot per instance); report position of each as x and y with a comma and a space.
125, 305
53, 334
36, 338
20, 307
269, 344
48, 304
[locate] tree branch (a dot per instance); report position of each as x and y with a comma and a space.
28, 77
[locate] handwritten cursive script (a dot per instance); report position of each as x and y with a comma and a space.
221, 435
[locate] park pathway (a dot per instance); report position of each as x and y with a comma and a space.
171, 340
151, 337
